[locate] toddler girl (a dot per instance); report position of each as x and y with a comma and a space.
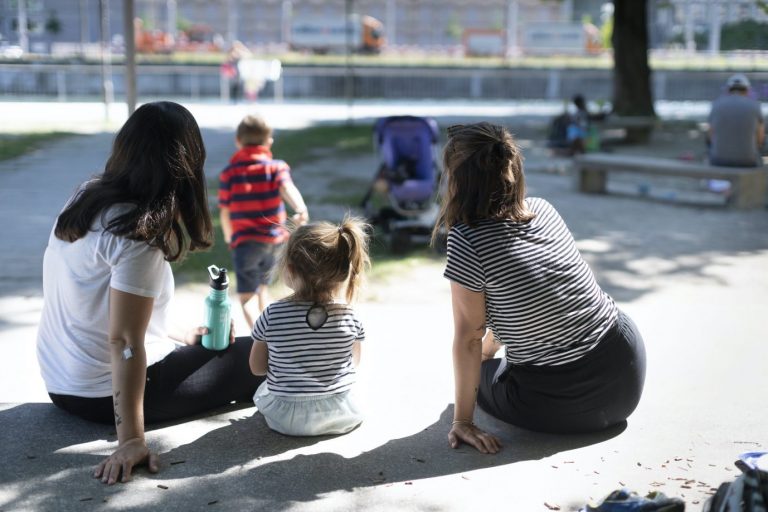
308, 344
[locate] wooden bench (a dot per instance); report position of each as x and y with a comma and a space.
748, 184
627, 129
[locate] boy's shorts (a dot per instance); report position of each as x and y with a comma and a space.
253, 265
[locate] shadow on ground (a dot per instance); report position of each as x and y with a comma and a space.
223, 464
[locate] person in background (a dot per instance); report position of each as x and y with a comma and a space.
230, 70
573, 131
736, 127
578, 126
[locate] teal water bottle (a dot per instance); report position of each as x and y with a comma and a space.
217, 310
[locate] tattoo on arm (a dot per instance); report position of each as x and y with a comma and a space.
115, 402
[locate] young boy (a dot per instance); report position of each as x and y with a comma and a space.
252, 189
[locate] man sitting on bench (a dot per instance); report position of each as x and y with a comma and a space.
736, 127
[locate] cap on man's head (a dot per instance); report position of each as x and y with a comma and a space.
737, 81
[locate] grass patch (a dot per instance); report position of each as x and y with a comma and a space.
344, 191
385, 265
303, 146
14, 145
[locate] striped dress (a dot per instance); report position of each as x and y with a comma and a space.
304, 361
541, 299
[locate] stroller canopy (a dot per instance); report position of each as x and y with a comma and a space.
409, 139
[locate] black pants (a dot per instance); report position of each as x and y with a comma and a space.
190, 380
599, 390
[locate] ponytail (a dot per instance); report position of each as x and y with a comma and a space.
323, 257
353, 250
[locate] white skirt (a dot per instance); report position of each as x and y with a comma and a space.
309, 415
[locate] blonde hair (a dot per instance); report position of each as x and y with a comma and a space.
484, 169
253, 130
321, 257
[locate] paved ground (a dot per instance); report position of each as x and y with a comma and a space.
694, 279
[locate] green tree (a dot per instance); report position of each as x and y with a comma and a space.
454, 28
606, 32
53, 23
744, 35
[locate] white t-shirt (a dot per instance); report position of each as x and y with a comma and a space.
72, 342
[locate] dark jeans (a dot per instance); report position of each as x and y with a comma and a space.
190, 380
590, 394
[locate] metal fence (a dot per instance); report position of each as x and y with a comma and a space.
78, 81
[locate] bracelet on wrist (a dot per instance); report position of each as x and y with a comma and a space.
463, 422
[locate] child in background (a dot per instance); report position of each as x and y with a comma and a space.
252, 189
308, 344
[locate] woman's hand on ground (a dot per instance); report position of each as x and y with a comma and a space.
468, 433
120, 464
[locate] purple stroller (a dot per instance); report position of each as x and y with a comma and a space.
408, 177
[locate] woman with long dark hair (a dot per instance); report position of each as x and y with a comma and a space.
103, 347
573, 362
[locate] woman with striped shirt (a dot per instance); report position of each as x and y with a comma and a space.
308, 344
573, 362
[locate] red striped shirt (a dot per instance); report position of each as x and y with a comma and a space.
250, 187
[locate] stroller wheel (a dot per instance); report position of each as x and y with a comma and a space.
399, 242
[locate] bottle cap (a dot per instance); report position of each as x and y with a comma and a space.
219, 279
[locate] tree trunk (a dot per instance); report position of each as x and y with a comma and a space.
632, 94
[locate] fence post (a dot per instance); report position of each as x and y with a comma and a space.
476, 85
195, 85
61, 85
279, 90
223, 88
553, 84
659, 85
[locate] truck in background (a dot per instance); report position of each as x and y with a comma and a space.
364, 34
538, 39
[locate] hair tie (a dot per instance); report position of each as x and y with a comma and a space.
501, 148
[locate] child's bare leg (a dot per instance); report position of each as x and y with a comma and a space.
245, 303
262, 293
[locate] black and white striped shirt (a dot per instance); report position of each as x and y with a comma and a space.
541, 298
304, 361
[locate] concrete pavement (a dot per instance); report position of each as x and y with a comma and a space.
694, 279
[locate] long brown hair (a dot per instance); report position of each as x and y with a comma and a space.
156, 166
484, 171
320, 258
